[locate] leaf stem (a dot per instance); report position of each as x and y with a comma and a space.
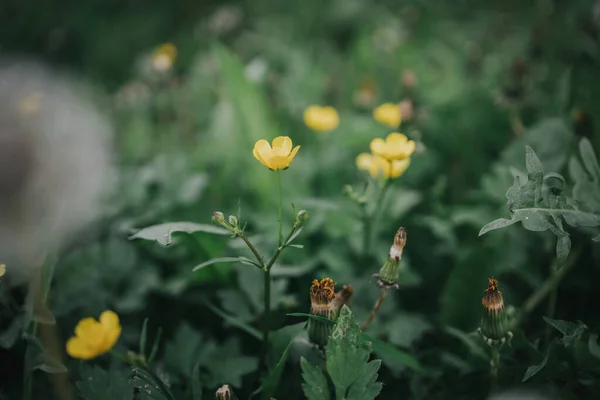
252, 249
374, 310
494, 366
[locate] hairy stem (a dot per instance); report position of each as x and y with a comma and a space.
374, 310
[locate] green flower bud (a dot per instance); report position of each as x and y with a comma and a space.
494, 324
388, 274
302, 216
225, 392
322, 294
218, 218
233, 221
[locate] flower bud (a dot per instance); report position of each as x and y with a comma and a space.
494, 324
388, 274
225, 392
218, 218
302, 216
322, 294
233, 221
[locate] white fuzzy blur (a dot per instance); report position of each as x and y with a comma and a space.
55, 161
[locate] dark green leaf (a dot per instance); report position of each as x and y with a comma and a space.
236, 322
271, 381
215, 261
348, 363
99, 384
534, 369
196, 385
563, 247
315, 383
497, 224
162, 233
144, 337
315, 317
391, 355
572, 333
473, 343
589, 159
593, 346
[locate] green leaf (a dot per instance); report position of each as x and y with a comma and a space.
572, 333
144, 337
589, 159
563, 247
235, 322
294, 236
315, 385
215, 261
534, 369
162, 233
315, 317
348, 363
593, 346
533, 165
470, 341
36, 357
497, 224
99, 384
391, 355
271, 381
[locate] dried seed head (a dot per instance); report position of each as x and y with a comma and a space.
388, 274
342, 297
494, 324
322, 295
492, 298
322, 292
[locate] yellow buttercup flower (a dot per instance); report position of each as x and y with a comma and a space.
388, 114
379, 166
93, 338
164, 57
2, 269
395, 147
278, 156
321, 119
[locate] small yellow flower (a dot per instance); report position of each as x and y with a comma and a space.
93, 338
279, 156
388, 114
2, 270
321, 119
164, 57
395, 147
379, 166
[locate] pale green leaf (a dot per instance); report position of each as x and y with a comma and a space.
315, 385
215, 261
497, 224
163, 233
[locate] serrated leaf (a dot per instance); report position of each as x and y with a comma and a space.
99, 384
315, 383
215, 261
497, 224
347, 360
163, 233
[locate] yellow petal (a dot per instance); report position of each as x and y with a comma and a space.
77, 348
111, 338
86, 326
396, 139
388, 114
364, 161
109, 320
283, 142
409, 148
262, 152
293, 153
399, 167
2, 269
279, 162
378, 146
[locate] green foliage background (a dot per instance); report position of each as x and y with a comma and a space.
492, 77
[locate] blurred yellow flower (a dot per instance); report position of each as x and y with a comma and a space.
321, 119
388, 114
164, 57
379, 166
395, 147
2, 270
279, 156
93, 338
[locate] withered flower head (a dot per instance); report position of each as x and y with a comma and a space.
388, 274
342, 297
492, 297
322, 304
494, 324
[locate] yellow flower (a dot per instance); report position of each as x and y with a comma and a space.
93, 338
280, 156
379, 166
164, 57
395, 147
2, 269
321, 119
388, 114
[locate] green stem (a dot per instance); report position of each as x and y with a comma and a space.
370, 218
280, 215
267, 315
253, 250
494, 366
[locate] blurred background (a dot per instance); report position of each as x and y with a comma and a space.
186, 88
